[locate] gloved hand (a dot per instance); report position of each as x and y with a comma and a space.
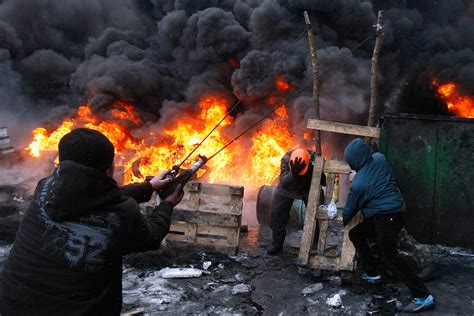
160, 181
177, 195
296, 166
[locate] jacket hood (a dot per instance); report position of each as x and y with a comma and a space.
357, 154
74, 190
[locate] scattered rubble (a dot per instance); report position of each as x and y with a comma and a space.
335, 280
241, 289
334, 301
313, 288
253, 283
177, 273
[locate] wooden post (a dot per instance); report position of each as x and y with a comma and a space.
373, 109
310, 218
194, 190
314, 65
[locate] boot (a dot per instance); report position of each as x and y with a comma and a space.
275, 250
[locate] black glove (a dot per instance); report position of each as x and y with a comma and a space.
296, 166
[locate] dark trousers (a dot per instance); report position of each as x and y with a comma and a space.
280, 216
384, 230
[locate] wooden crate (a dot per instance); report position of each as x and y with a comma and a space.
209, 216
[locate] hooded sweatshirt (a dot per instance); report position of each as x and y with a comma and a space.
373, 190
67, 255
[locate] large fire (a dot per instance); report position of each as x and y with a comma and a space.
253, 161
457, 103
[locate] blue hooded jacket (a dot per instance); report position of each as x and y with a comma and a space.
373, 189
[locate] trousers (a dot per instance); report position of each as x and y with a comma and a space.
280, 216
384, 230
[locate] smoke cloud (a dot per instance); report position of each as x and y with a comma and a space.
164, 55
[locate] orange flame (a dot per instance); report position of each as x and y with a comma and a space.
281, 84
253, 161
457, 103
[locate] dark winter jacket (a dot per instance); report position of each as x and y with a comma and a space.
296, 188
373, 189
67, 255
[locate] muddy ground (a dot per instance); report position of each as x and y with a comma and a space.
252, 282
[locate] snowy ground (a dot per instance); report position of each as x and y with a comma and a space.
253, 283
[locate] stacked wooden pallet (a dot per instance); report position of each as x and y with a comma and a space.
210, 216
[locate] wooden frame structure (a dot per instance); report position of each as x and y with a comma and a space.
211, 216
315, 258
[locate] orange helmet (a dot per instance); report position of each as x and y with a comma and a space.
305, 157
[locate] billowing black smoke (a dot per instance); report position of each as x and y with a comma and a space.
164, 55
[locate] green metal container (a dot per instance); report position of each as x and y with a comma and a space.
432, 158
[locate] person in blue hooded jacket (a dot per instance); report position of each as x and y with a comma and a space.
374, 192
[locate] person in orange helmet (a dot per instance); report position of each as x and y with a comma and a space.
295, 181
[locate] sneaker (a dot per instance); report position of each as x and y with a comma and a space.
371, 279
275, 250
420, 304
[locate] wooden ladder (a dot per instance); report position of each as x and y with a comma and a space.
314, 216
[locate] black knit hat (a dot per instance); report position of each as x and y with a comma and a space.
87, 147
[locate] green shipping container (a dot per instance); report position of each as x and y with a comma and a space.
432, 158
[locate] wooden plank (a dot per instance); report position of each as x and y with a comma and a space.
177, 226
210, 218
329, 187
310, 219
206, 241
323, 263
194, 189
236, 203
236, 190
233, 235
213, 230
323, 233
213, 206
232, 205
175, 237
348, 251
336, 166
343, 128
221, 189
190, 232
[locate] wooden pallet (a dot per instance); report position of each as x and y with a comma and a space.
210, 215
313, 256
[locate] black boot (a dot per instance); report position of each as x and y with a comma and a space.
275, 250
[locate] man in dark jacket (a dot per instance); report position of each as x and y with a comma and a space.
67, 255
374, 191
296, 171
